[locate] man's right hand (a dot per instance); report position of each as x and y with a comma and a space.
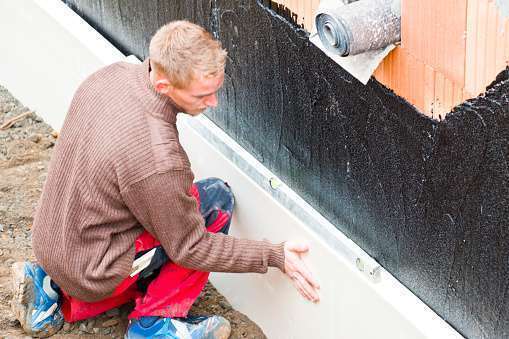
298, 272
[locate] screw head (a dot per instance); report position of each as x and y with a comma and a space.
360, 264
274, 183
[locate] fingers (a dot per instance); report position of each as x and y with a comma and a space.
297, 247
304, 271
310, 291
301, 289
297, 264
297, 270
304, 288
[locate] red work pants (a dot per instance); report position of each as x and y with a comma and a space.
173, 291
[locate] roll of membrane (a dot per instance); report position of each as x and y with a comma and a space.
360, 26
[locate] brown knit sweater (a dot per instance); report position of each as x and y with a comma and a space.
118, 168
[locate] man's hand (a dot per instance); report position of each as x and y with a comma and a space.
297, 270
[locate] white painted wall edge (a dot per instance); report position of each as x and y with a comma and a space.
51, 50
47, 51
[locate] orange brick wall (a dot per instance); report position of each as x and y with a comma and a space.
450, 50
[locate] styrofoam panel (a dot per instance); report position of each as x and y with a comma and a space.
45, 42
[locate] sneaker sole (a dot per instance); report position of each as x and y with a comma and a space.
222, 331
23, 296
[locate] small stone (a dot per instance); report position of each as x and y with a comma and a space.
14, 323
110, 323
224, 304
35, 138
96, 330
83, 327
48, 144
90, 325
67, 327
54, 134
1, 228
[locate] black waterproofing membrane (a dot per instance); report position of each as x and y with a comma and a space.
428, 200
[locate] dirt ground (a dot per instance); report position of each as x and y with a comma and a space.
25, 148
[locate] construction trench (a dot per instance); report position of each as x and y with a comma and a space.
426, 199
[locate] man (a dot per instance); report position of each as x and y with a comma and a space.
120, 219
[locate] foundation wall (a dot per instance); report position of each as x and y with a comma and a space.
354, 304
427, 199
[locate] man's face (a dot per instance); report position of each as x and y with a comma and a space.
199, 95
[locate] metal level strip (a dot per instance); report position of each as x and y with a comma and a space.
338, 242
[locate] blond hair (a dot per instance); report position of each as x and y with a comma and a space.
183, 51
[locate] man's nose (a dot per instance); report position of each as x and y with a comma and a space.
211, 101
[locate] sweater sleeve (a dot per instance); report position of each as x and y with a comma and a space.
162, 203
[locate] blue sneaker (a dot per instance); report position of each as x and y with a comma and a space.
35, 300
213, 327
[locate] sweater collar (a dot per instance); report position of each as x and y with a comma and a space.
160, 106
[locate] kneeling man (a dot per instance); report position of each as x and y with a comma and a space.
120, 217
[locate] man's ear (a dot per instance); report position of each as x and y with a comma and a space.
162, 86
